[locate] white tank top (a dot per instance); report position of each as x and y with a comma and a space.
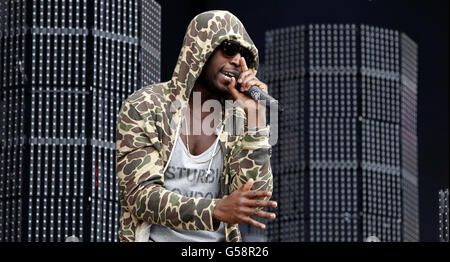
186, 177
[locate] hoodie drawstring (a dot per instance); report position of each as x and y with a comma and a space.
177, 134
208, 171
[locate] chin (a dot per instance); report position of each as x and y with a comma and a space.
220, 88
222, 91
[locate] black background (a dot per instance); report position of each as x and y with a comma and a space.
426, 22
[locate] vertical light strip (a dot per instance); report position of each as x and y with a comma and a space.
101, 160
21, 158
75, 171
82, 161
104, 185
46, 195
39, 159
69, 48
61, 174
68, 162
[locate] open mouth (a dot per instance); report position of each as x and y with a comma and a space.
229, 74
226, 76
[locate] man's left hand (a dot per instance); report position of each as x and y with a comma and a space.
256, 113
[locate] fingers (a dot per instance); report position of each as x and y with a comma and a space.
245, 85
243, 100
232, 84
247, 79
261, 203
264, 88
254, 82
244, 75
243, 65
243, 204
247, 185
253, 222
258, 194
232, 88
258, 213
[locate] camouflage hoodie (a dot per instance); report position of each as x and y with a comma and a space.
149, 123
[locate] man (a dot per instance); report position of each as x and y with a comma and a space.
178, 182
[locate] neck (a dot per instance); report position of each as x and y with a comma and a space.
199, 95
203, 93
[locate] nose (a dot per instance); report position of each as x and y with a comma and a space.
236, 59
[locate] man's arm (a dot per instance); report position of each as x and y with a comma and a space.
251, 157
251, 183
250, 160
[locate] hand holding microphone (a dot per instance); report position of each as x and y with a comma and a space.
247, 90
247, 83
256, 113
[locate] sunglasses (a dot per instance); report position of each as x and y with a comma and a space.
231, 48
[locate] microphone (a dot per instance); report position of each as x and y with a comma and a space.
257, 94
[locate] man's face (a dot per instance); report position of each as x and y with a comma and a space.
216, 73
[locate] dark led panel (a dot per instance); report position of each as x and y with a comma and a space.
332, 129
443, 215
12, 119
67, 69
333, 227
380, 69
126, 43
409, 141
284, 72
384, 228
150, 42
58, 131
345, 165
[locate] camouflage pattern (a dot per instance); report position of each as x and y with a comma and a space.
146, 136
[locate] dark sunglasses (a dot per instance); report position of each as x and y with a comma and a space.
231, 48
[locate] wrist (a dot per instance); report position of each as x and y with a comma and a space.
257, 122
217, 213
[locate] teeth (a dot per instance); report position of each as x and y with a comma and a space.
228, 74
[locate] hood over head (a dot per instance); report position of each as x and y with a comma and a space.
205, 32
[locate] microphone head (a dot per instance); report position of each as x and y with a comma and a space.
274, 105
